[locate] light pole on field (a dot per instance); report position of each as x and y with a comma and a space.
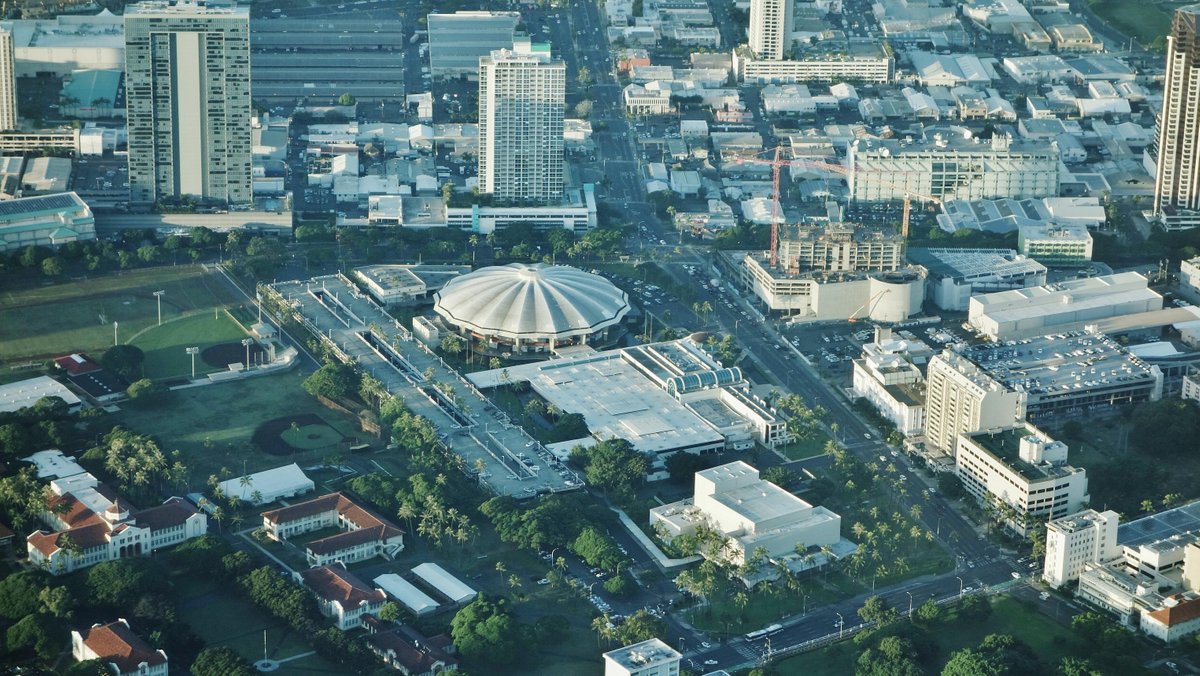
247, 342
193, 351
158, 296
115, 334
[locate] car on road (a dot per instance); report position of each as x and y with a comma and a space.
710, 663
867, 436
705, 644
883, 458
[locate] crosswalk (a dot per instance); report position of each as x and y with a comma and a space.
749, 651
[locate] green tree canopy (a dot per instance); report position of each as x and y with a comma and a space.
124, 360
485, 630
894, 656
1168, 427
221, 661
334, 380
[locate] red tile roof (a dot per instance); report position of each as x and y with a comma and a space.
349, 510
85, 537
1186, 610
76, 364
414, 651
335, 583
115, 642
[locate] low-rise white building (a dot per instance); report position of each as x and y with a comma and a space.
268, 486
364, 534
887, 378
1078, 539
1067, 245
955, 275
1039, 310
1022, 468
341, 595
644, 100
648, 658
750, 513
121, 651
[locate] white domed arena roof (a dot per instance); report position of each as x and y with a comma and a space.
532, 301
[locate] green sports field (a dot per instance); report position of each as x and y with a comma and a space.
41, 321
165, 345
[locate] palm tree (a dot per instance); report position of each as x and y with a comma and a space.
501, 569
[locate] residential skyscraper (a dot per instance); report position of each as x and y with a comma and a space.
961, 398
8, 81
1177, 180
770, 24
521, 104
187, 83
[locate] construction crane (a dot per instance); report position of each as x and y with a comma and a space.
778, 162
853, 318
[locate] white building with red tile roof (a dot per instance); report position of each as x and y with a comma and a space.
364, 535
88, 523
410, 652
341, 595
121, 650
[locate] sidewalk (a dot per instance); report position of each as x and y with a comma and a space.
648, 544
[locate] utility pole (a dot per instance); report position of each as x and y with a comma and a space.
115, 334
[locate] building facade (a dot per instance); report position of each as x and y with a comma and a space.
521, 106
949, 167
187, 80
45, 220
770, 24
1022, 472
894, 386
876, 68
1056, 245
961, 398
840, 247
1177, 175
364, 534
750, 513
8, 81
1076, 540
341, 595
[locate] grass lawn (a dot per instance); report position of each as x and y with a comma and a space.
212, 425
222, 619
38, 322
805, 448
723, 617
164, 345
1143, 21
1050, 641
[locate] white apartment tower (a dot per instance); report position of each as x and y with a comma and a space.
8, 81
521, 105
770, 24
187, 73
1177, 183
960, 398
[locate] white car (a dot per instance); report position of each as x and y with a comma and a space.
710, 663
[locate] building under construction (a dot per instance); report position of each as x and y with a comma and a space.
839, 247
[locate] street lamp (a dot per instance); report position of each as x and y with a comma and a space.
910, 604
841, 624
192, 351
247, 342
804, 606
158, 296
115, 334
960, 586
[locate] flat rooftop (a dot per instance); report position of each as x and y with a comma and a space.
642, 655
761, 501
967, 264
1058, 363
1005, 445
1182, 520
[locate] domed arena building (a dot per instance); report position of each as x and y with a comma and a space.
526, 311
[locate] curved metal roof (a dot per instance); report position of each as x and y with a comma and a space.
532, 302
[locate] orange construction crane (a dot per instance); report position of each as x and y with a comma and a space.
778, 162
